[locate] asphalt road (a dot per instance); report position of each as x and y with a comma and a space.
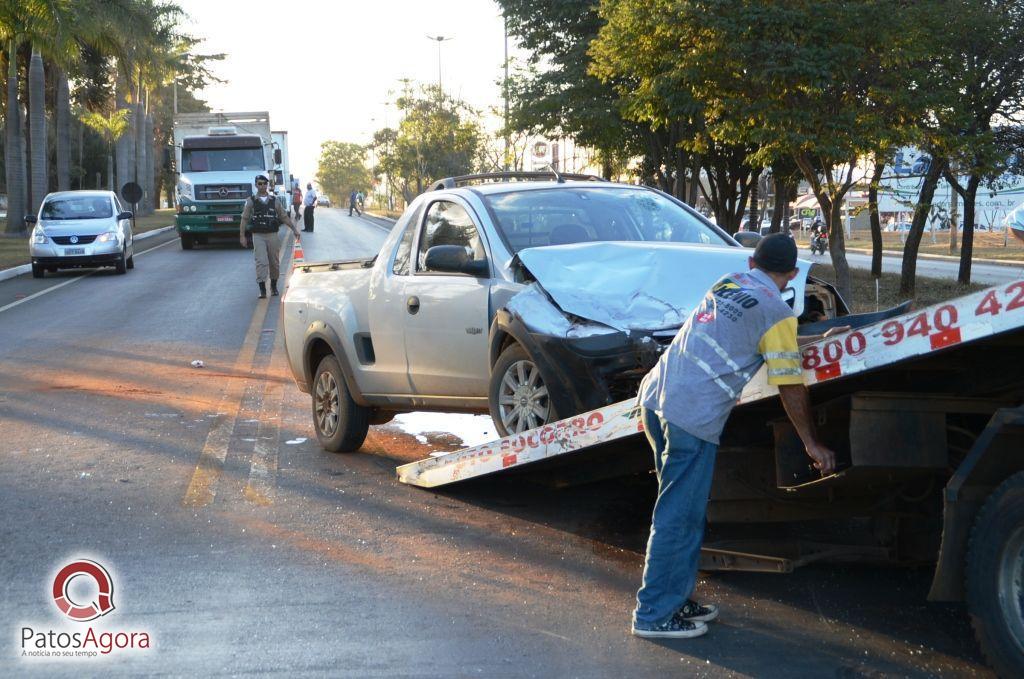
242, 548
986, 274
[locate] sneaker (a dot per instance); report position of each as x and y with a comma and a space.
695, 612
675, 628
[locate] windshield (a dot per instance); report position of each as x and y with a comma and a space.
82, 207
577, 215
221, 160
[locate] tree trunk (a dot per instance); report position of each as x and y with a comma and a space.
139, 114
693, 190
110, 169
125, 144
876, 223
779, 207
967, 243
63, 136
15, 168
908, 275
81, 149
755, 190
954, 217
837, 249
152, 197
37, 140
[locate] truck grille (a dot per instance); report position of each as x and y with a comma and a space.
79, 240
223, 191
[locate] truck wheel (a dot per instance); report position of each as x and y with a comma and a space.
341, 424
995, 577
37, 270
518, 393
186, 241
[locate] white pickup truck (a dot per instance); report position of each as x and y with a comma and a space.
533, 300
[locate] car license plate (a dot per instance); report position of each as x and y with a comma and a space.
223, 218
74, 251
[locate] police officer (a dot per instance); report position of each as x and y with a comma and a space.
262, 216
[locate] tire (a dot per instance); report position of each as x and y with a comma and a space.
995, 577
37, 270
121, 265
186, 241
131, 261
514, 373
341, 424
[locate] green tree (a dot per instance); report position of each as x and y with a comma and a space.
110, 127
438, 137
342, 169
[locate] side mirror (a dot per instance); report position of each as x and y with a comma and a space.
30, 219
127, 214
747, 239
277, 156
453, 259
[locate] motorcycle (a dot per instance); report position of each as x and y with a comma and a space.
819, 243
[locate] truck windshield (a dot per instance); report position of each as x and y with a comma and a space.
560, 216
221, 160
83, 207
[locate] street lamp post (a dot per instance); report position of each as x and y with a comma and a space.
439, 39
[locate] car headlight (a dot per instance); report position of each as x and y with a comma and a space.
185, 189
39, 237
108, 237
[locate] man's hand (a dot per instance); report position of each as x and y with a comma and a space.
824, 459
298, 238
243, 241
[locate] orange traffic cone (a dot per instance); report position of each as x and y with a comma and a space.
297, 256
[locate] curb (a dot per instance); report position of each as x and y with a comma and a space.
366, 216
22, 269
943, 258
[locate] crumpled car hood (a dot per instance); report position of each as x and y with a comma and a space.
637, 285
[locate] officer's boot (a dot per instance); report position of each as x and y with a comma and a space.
263, 289
273, 287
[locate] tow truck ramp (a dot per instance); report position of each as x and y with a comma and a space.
922, 333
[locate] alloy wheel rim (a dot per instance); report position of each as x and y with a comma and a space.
327, 399
523, 401
1011, 586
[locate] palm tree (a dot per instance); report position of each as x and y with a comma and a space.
37, 131
111, 127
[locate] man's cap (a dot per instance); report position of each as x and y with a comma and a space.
776, 253
309, 186
262, 177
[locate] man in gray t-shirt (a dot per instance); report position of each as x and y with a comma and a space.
741, 324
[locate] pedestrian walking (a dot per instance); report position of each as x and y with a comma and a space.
262, 216
309, 204
359, 200
296, 199
353, 203
741, 323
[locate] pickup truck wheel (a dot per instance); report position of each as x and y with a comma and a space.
341, 423
37, 270
518, 394
995, 577
186, 241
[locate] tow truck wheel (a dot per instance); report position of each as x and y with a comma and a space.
518, 394
341, 423
995, 577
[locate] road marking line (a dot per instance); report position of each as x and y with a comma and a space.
69, 282
202, 487
263, 472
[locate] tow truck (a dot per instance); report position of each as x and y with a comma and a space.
926, 414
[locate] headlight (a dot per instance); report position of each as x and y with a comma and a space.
185, 189
38, 237
108, 237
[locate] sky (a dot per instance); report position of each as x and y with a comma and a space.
324, 70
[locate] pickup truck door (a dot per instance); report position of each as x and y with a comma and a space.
446, 320
387, 311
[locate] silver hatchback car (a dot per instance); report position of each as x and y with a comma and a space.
76, 229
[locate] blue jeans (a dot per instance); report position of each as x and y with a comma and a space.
684, 464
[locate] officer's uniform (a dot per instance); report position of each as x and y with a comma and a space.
262, 216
